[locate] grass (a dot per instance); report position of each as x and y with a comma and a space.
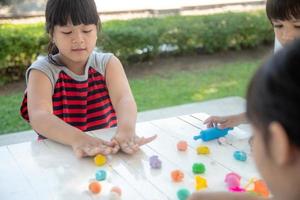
193, 86
156, 91
11, 120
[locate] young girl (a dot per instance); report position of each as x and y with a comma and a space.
285, 18
76, 89
273, 110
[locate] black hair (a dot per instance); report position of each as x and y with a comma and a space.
59, 12
283, 9
274, 93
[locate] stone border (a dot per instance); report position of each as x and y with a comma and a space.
142, 13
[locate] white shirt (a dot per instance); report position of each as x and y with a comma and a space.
277, 45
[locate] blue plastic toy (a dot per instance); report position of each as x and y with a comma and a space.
212, 133
240, 155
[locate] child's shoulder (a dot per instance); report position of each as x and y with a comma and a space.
44, 65
99, 60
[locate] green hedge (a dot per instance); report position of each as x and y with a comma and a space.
143, 39
19, 47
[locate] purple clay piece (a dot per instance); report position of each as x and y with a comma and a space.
155, 163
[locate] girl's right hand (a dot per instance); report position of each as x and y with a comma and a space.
224, 122
91, 146
131, 143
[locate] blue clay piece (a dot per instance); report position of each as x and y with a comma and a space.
212, 133
101, 175
240, 155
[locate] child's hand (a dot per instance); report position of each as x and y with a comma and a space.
91, 146
222, 196
131, 143
224, 122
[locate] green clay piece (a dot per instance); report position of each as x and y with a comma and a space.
198, 168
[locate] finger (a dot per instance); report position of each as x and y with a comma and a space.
208, 120
127, 149
212, 119
107, 143
115, 149
224, 125
102, 149
134, 145
79, 153
215, 120
114, 141
90, 151
116, 146
93, 151
210, 125
107, 150
143, 140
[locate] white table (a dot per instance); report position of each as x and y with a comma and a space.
47, 170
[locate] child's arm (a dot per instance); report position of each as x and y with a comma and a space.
42, 120
227, 121
125, 107
223, 196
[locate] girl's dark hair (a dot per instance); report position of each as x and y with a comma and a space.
283, 9
59, 12
274, 93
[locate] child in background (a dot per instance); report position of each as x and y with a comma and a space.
285, 18
76, 89
273, 109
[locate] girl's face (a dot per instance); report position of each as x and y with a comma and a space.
75, 43
286, 31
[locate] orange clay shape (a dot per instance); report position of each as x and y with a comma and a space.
116, 190
95, 187
177, 175
182, 145
261, 188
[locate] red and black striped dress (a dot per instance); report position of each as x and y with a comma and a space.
80, 100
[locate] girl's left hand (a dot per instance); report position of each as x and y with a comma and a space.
131, 143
